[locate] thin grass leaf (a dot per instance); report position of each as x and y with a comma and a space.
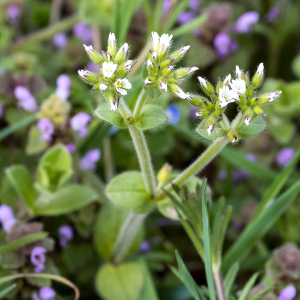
276, 186
230, 278
187, 279
217, 220
148, 12
248, 287
5, 291
15, 127
189, 27
258, 295
116, 17
158, 14
260, 226
30, 238
207, 249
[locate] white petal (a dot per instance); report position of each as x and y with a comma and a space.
103, 86
88, 49
202, 81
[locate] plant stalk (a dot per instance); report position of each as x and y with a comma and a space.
218, 283
126, 236
139, 104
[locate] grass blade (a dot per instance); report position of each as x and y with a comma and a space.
207, 253
158, 14
5, 291
230, 278
260, 226
248, 287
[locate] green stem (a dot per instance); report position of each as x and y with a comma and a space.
108, 160
219, 284
126, 236
139, 104
46, 33
199, 163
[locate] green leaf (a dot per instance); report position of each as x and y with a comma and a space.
259, 295
149, 290
65, 200
5, 291
22, 181
55, 167
206, 241
255, 127
8, 247
186, 278
157, 14
105, 113
122, 282
151, 116
108, 225
296, 65
230, 278
15, 127
248, 287
152, 91
217, 134
34, 143
127, 190
260, 226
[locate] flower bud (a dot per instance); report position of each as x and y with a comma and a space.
238, 72
162, 84
202, 113
249, 91
149, 80
179, 54
197, 101
113, 101
258, 76
178, 92
112, 44
152, 69
94, 56
227, 80
258, 110
232, 136
254, 101
266, 98
206, 86
153, 56
88, 76
167, 71
164, 173
184, 72
122, 54
210, 124
248, 116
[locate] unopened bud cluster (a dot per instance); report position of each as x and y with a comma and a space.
161, 72
239, 90
113, 68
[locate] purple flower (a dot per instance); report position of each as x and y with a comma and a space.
65, 235
251, 157
7, 218
173, 114
88, 162
234, 46
285, 156
222, 175
240, 175
288, 293
70, 147
222, 43
194, 5
63, 87
1, 110
60, 40
92, 67
47, 293
26, 100
245, 22
113, 130
38, 258
79, 123
185, 17
83, 32
145, 246
272, 15
46, 127
13, 14
166, 6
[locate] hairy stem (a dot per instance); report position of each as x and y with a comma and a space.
139, 104
219, 284
126, 236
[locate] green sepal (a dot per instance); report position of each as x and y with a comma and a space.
217, 133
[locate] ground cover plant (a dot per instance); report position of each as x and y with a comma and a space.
149, 150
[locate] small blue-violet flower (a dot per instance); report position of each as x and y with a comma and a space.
70, 147
251, 157
245, 22
60, 40
63, 83
185, 17
166, 6
79, 123
113, 130
88, 162
222, 43
287, 293
92, 67
38, 258
65, 235
47, 293
1, 110
83, 32
13, 14
26, 100
46, 127
285, 156
7, 218
272, 15
173, 114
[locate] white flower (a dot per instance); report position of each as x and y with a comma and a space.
103, 86
161, 44
238, 85
83, 73
122, 85
193, 69
181, 94
88, 49
108, 69
111, 38
260, 69
238, 72
227, 79
247, 120
184, 49
210, 129
164, 86
154, 55
125, 48
227, 96
150, 63
274, 96
202, 81
147, 81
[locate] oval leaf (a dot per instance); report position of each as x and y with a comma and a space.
65, 200
152, 91
127, 190
216, 134
105, 113
254, 128
151, 116
122, 282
